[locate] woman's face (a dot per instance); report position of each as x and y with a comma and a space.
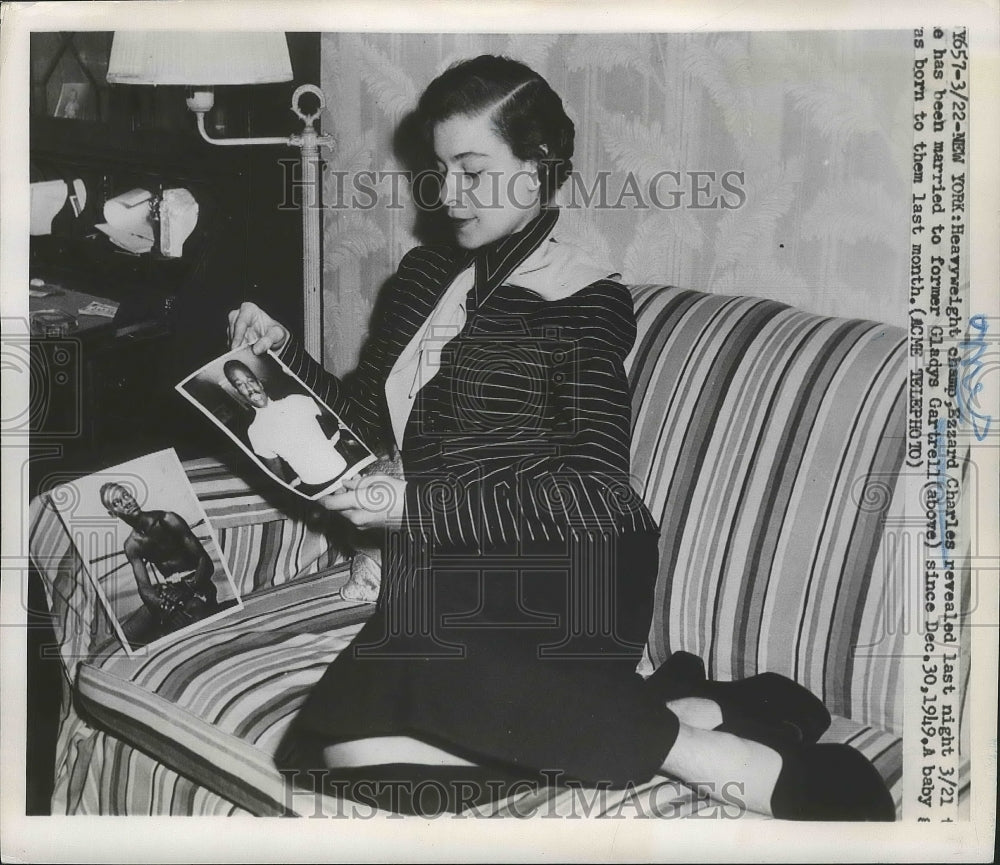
488, 191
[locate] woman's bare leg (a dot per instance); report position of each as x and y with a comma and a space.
698, 712
712, 757
379, 750
697, 756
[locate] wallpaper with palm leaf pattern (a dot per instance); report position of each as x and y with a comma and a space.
818, 124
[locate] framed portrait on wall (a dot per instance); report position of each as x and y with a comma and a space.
75, 102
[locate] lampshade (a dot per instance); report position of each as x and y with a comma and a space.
198, 57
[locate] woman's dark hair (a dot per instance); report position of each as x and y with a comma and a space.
527, 113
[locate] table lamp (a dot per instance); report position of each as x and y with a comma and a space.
201, 60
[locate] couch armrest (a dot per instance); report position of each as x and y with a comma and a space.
266, 541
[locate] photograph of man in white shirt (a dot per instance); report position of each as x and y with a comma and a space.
286, 434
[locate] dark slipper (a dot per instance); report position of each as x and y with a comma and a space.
775, 736
768, 699
830, 782
677, 676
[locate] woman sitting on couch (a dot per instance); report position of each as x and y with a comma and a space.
497, 372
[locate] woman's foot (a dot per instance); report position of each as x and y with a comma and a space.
767, 700
831, 782
704, 714
809, 782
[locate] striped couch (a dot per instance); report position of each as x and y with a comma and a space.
767, 441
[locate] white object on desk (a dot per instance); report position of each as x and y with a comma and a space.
178, 217
36, 288
78, 197
47, 199
129, 220
105, 310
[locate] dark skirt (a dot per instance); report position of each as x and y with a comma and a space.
523, 663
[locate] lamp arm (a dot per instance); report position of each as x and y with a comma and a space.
309, 142
231, 142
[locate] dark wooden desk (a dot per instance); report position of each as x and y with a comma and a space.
96, 392
70, 302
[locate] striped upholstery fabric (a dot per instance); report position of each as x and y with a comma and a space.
266, 543
113, 778
767, 442
212, 709
213, 705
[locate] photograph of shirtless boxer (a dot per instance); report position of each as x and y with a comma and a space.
162, 542
148, 547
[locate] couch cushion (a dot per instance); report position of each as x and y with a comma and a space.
767, 441
213, 707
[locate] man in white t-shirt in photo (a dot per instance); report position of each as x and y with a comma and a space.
286, 433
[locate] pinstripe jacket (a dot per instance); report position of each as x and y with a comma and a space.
523, 434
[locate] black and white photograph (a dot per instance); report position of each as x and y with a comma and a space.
278, 421
146, 544
570, 425
75, 102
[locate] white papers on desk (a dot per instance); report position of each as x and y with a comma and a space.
130, 221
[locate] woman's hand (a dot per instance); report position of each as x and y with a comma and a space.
370, 502
250, 325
